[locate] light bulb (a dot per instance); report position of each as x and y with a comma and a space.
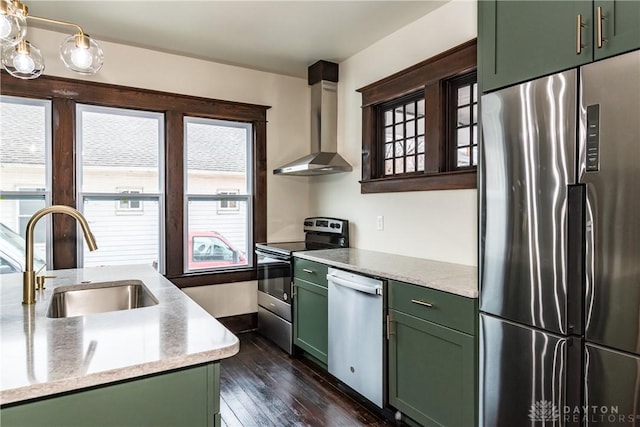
81, 57
23, 63
5, 26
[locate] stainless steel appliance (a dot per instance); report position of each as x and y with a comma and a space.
275, 275
560, 249
355, 332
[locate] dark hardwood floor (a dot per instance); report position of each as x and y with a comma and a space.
263, 386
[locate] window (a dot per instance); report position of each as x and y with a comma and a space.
463, 119
119, 146
226, 205
111, 143
419, 127
217, 154
403, 130
128, 205
25, 178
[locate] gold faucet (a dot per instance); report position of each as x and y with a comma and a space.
29, 276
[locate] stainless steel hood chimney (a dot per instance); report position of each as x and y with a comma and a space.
324, 159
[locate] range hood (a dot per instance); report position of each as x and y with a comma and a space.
324, 159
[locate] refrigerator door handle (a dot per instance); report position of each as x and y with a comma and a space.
575, 258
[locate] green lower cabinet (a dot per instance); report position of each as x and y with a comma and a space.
187, 397
432, 372
310, 324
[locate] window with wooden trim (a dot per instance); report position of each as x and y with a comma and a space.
463, 122
68, 103
419, 126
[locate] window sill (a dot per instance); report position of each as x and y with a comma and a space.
189, 280
458, 180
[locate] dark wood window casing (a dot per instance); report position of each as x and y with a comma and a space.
429, 78
65, 93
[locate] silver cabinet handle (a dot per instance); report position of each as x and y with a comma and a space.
426, 304
306, 270
579, 34
600, 17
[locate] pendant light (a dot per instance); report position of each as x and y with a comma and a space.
79, 52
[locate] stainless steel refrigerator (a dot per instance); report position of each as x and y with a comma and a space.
560, 249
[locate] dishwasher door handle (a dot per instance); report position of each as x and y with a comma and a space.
374, 290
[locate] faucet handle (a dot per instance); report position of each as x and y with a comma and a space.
40, 281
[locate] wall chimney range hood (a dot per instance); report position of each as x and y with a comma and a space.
324, 159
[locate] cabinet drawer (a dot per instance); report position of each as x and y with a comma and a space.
446, 309
310, 271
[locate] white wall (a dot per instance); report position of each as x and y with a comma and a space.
440, 225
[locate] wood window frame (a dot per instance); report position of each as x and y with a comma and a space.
431, 77
64, 93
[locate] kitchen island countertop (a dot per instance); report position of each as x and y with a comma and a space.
448, 277
43, 356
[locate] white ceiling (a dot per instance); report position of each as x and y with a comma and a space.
284, 37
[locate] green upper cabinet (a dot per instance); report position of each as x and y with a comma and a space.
523, 40
619, 30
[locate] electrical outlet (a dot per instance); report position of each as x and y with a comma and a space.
379, 223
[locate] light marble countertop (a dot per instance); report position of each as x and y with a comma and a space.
41, 356
453, 278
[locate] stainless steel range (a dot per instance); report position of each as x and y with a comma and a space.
275, 269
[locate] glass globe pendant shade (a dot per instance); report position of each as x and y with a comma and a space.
81, 54
23, 61
13, 24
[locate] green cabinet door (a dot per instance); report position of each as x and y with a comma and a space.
310, 313
522, 40
619, 25
432, 372
189, 397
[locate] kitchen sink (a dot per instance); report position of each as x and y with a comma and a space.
83, 299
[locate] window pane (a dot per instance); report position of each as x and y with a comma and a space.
399, 131
388, 167
463, 137
225, 247
119, 147
475, 113
475, 92
122, 239
12, 233
475, 135
399, 114
411, 128
421, 162
388, 117
411, 110
464, 95
411, 146
24, 138
388, 134
388, 151
216, 155
411, 164
463, 157
463, 116
420, 105
399, 148
475, 156
400, 165
421, 144
420, 129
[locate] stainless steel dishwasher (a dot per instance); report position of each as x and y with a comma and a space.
356, 332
